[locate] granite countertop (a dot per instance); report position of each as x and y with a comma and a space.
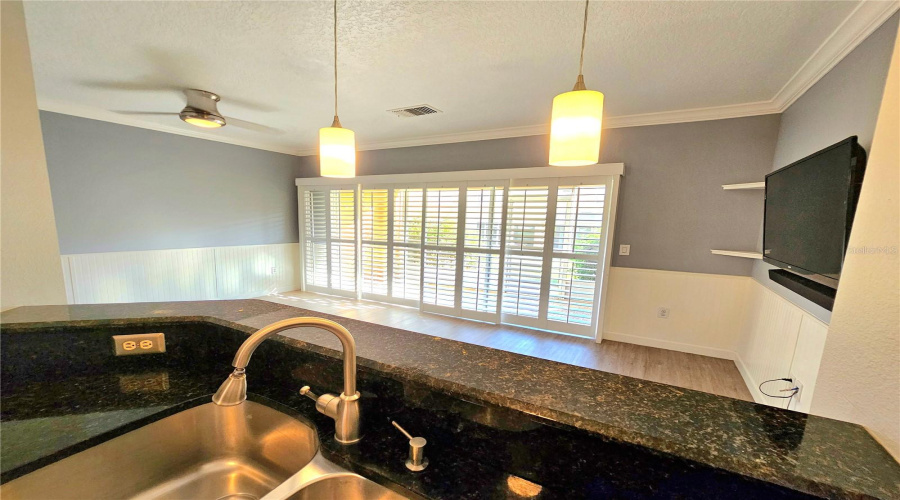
806, 453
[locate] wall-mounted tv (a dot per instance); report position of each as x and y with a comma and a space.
809, 211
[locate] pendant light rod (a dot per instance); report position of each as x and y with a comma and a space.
579, 83
337, 122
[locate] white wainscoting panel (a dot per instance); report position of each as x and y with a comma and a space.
779, 339
181, 274
706, 311
807, 358
251, 271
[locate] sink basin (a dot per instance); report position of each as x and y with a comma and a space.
210, 452
345, 487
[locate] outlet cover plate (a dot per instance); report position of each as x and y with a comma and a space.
141, 343
624, 249
794, 402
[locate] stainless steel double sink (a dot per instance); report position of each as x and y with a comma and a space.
243, 452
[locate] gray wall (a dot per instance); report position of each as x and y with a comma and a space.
119, 188
844, 102
672, 208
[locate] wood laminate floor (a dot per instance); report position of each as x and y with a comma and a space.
691, 371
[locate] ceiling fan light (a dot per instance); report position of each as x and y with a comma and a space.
337, 152
200, 118
575, 127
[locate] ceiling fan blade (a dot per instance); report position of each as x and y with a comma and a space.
146, 113
138, 86
252, 126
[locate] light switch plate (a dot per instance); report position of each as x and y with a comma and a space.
141, 343
624, 249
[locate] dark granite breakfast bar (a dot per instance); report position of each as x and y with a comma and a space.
767, 451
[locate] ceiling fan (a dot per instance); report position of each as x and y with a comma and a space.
202, 111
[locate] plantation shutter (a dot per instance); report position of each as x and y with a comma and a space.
329, 240
442, 226
463, 249
391, 243
554, 244
577, 244
482, 251
315, 251
374, 230
406, 254
526, 230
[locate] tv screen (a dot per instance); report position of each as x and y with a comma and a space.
809, 210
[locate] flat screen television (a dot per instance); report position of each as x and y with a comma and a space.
809, 210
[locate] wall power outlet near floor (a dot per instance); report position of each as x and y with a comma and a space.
662, 312
795, 400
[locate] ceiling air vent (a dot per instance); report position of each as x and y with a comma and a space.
413, 111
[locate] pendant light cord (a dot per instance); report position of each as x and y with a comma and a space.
583, 35
335, 61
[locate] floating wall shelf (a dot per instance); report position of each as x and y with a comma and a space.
737, 253
746, 185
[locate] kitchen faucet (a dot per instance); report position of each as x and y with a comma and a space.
344, 409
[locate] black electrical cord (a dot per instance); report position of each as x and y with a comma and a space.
795, 389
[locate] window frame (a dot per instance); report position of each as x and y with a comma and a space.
609, 174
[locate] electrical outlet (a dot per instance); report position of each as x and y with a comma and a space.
795, 400
662, 312
142, 343
624, 249
274, 270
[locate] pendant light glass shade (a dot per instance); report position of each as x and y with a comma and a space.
337, 152
575, 126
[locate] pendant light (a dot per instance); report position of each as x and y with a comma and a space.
337, 145
576, 120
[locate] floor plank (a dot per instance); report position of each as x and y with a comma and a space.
691, 371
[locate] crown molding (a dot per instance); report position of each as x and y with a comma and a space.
865, 18
104, 115
639, 120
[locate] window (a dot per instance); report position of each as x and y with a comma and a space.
527, 251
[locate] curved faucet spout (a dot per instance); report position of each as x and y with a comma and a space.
345, 411
242, 357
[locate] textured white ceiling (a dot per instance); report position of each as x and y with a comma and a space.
486, 65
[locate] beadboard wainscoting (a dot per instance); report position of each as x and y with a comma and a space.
706, 312
780, 340
182, 274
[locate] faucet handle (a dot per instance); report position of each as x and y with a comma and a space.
326, 404
416, 461
307, 391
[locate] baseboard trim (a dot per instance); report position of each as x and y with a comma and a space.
712, 352
752, 386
